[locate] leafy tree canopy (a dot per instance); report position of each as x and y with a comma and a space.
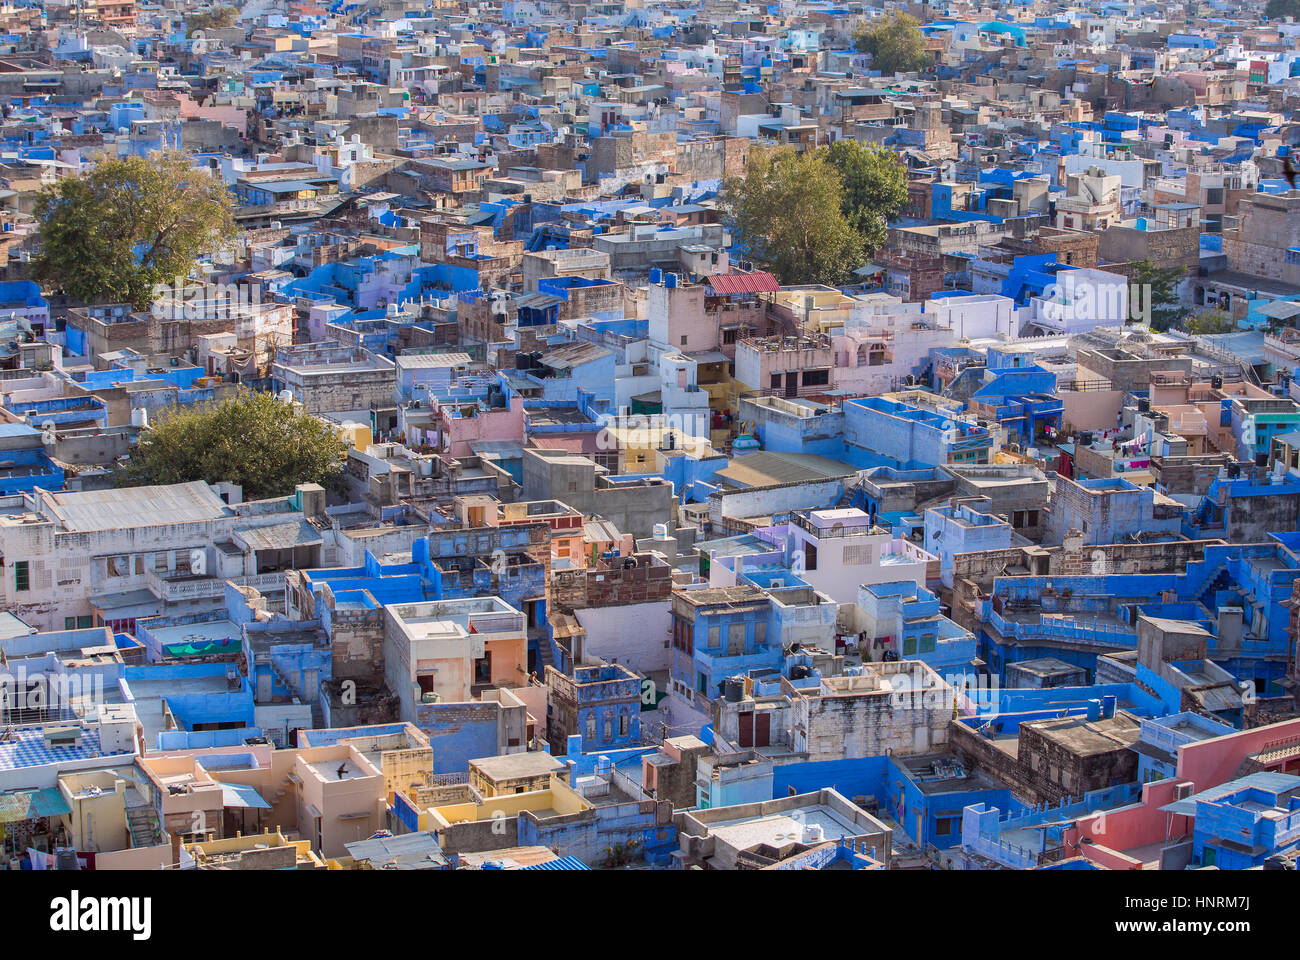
1210, 321
211, 19
128, 225
1166, 308
895, 43
255, 440
874, 188
786, 212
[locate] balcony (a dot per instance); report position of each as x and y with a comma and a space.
1062, 629
207, 588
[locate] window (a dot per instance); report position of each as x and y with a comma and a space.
943, 826
591, 728
622, 725
713, 637
909, 646
160, 562
85, 623
927, 643
139, 565
816, 378
776, 381
22, 576
69, 623
735, 639
810, 556
609, 731
683, 341
1213, 196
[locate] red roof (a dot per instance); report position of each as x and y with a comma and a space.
760, 281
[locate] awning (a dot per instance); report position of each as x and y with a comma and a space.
30, 804
242, 795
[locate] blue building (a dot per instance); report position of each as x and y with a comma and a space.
601, 705
881, 431
1160, 738
904, 619
719, 632
24, 464
1242, 823
1077, 618
963, 526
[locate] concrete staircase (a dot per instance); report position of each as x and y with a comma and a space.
142, 822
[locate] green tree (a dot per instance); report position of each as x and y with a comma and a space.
1166, 309
896, 44
128, 225
1210, 321
785, 212
255, 440
213, 18
875, 188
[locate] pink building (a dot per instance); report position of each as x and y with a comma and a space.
463, 424
1133, 837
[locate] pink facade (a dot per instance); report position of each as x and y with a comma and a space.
1130, 838
459, 431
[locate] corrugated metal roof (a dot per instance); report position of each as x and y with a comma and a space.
760, 469
759, 281
573, 355
280, 536
30, 804
136, 506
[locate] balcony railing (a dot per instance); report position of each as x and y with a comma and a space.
1064, 630
201, 588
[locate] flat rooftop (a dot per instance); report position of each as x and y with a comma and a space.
517, 766
779, 829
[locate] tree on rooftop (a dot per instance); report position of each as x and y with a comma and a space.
128, 225
255, 440
214, 18
785, 213
1166, 308
875, 188
1210, 321
895, 43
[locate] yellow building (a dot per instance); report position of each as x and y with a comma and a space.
642, 440
812, 308
257, 851
461, 825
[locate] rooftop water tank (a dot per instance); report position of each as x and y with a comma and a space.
1094, 710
